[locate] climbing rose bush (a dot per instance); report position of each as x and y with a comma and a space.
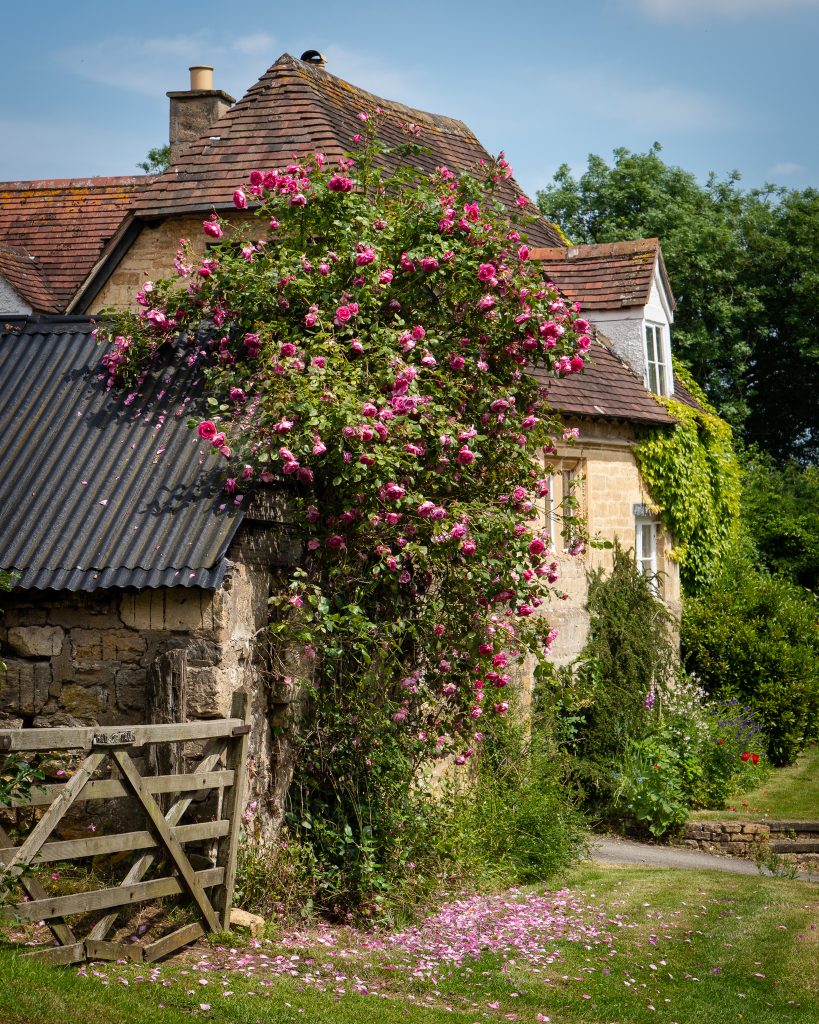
377, 347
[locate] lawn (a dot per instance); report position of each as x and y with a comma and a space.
625, 945
788, 794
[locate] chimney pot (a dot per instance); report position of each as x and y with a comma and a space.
201, 77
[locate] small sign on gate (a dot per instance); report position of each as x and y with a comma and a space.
117, 738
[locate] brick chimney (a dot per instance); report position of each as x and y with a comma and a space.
194, 111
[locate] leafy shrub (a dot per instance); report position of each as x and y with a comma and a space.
629, 659
650, 787
513, 822
754, 636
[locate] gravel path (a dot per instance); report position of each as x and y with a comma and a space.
608, 850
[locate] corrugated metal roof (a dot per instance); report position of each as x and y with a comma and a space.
99, 489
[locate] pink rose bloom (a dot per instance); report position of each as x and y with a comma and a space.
283, 426
385, 277
305, 475
501, 707
296, 601
319, 447
429, 263
418, 333
343, 315
519, 493
583, 342
525, 610
456, 362
298, 200
206, 430
212, 227
523, 253
357, 347
486, 271
313, 545
394, 491
576, 365
458, 531
437, 514
338, 183
536, 546
465, 457
368, 409
581, 325
425, 508
288, 349
318, 362
274, 225
485, 302
336, 542
239, 199
310, 320
230, 485
468, 547
364, 255
218, 440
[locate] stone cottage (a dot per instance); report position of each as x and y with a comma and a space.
132, 572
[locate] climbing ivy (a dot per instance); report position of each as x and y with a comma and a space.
693, 476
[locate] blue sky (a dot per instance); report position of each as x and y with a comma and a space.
722, 84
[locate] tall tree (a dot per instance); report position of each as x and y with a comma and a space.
743, 267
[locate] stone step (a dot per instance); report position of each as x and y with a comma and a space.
794, 846
797, 827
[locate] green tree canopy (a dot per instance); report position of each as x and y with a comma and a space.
743, 267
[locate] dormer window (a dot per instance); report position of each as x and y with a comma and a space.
658, 360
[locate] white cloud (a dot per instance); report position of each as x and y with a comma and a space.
649, 108
153, 66
695, 10
787, 168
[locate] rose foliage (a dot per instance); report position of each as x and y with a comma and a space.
366, 347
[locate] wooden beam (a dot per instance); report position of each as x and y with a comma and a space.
104, 899
109, 789
121, 842
83, 738
233, 805
171, 844
96, 949
57, 955
168, 943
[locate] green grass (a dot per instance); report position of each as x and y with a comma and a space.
709, 937
788, 794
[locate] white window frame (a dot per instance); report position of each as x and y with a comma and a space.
647, 560
549, 510
569, 478
658, 378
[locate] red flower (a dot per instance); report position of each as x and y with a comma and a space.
755, 758
746, 756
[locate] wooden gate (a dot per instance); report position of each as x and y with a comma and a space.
221, 767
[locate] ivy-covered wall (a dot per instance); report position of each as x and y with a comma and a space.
693, 475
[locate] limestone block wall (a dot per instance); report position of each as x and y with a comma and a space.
608, 487
151, 256
85, 658
732, 838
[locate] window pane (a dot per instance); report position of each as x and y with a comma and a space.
652, 378
651, 351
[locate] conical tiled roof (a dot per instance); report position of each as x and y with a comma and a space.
293, 109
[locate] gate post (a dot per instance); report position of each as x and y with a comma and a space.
234, 803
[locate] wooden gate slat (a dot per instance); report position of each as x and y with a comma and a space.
83, 738
209, 760
169, 943
42, 830
36, 891
100, 950
109, 789
59, 955
104, 899
121, 842
172, 845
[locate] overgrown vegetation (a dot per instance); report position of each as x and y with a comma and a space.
645, 744
693, 475
363, 345
754, 636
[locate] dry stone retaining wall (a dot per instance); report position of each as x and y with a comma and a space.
732, 838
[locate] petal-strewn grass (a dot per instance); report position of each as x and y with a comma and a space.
625, 945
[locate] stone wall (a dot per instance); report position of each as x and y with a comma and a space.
731, 838
609, 487
85, 658
151, 256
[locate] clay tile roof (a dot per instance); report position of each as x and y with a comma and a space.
293, 109
25, 275
606, 389
613, 275
63, 225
